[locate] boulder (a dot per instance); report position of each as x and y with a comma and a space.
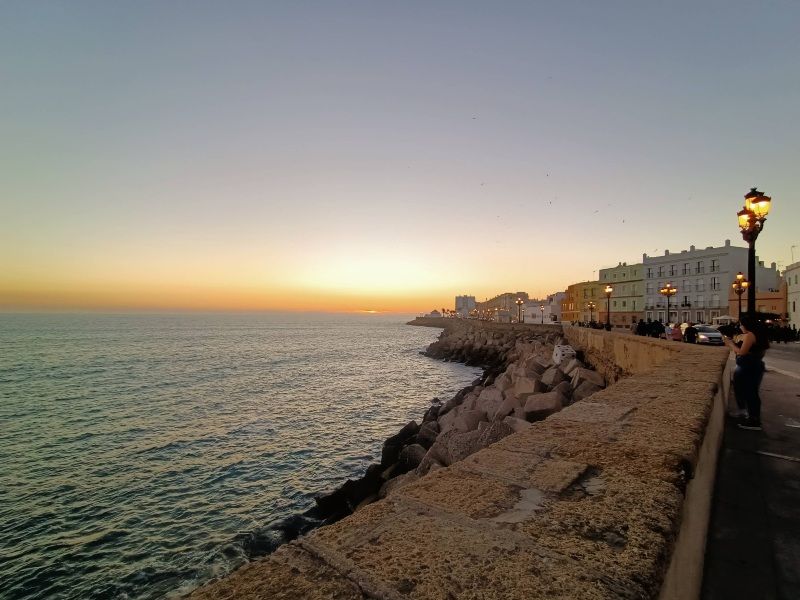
467, 420
495, 432
392, 446
427, 434
489, 400
510, 402
584, 390
525, 386
553, 376
540, 406
517, 424
580, 375
570, 365
410, 457
561, 352
533, 365
503, 382
565, 389
519, 412
448, 421
471, 401
452, 446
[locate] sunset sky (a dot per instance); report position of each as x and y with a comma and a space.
381, 155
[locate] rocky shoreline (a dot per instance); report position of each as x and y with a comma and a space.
528, 374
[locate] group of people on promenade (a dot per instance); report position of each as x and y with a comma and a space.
657, 329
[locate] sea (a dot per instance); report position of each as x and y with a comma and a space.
142, 455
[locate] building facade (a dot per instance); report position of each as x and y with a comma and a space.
702, 278
502, 307
771, 302
627, 299
465, 305
792, 278
575, 306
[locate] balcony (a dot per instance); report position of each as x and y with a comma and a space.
686, 305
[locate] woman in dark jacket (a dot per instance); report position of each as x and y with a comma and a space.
749, 370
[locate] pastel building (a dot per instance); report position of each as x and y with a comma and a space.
575, 306
702, 278
792, 278
627, 297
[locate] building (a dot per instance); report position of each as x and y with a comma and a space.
702, 278
771, 302
575, 306
502, 307
792, 278
552, 309
464, 305
627, 299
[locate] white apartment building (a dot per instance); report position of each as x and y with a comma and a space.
464, 305
552, 309
702, 278
792, 277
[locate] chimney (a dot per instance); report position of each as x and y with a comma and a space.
666, 252
727, 243
773, 266
761, 263
691, 248
644, 257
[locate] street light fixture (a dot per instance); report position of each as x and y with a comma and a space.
751, 222
591, 306
608, 291
739, 287
519, 304
668, 290
541, 309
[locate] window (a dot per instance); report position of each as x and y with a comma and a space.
673, 270
649, 288
686, 269
615, 275
699, 318
715, 300
699, 285
715, 283
700, 301
714, 265
650, 273
699, 267
615, 304
687, 287
685, 301
660, 271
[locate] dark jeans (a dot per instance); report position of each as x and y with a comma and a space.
746, 381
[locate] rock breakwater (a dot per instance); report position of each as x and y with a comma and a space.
528, 374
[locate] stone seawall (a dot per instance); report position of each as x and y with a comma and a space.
607, 498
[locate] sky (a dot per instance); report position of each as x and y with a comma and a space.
381, 155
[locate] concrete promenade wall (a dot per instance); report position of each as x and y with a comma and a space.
608, 498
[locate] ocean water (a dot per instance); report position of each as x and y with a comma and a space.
141, 454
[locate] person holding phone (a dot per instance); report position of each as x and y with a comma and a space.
749, 370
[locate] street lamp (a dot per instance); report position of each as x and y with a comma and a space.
541, 309
739, 286
591, 306
668, 290
608, 291
519, 304
751, 222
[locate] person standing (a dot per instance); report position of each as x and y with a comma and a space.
676, 334
690, 335
749, 370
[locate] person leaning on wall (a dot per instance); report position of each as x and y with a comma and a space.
749, 371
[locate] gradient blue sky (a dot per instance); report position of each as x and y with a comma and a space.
381, 155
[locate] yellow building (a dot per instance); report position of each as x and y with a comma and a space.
627, 297
582, 302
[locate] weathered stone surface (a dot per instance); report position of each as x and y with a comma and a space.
503, 382
489, 400
540, 406
397, 483
411, 456
452, 446
427, 434
468, 420
584, 390
565, 389
570, 365
516, 424
495, 432
553, 376
447, 421
525, 386
580, 375
288, 573
510, 402
393, 445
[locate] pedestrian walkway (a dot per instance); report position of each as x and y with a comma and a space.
753, 548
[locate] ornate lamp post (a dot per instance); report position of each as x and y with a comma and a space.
751, 222
739, 287
519, 304
668, 290
541, 310
608, 291
591, 306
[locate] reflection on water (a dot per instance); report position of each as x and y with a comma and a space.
142, 454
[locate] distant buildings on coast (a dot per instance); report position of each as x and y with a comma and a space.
701, 277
